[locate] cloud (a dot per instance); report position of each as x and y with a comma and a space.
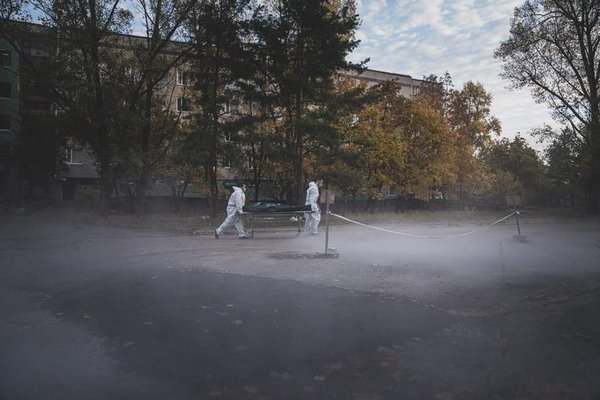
419, 38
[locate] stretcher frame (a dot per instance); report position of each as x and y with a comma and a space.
252, 215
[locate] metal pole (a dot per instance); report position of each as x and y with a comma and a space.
518, 227
326, 222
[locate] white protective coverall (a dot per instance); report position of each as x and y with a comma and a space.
234, 210
312, 219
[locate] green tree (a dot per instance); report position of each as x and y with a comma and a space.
516, 158
177, 168
553, 50
330, 150
268, 170
151, 58
85, 34
39, 152
565, 167
301, 44
219, 70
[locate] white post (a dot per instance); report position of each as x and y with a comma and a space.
326, 222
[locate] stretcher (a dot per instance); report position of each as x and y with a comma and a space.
271, 213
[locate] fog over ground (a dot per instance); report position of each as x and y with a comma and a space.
427, 266
90, 310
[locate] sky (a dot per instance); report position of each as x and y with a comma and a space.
423, 37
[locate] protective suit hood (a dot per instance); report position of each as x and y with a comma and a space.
237, 199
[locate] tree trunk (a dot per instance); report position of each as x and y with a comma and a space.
139, 203
142, 183
298, 136
298, 171
105, 187
593, 189
594, 181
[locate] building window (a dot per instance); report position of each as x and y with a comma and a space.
234, 107
75, 156
255, 108
231, 107
5, 90
183, 77
5, 58
4, 122
227, 159
183, 104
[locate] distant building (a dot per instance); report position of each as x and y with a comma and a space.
25, 104
409, 87
9, 118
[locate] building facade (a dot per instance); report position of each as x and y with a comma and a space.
408, 86
24, 105
9, 119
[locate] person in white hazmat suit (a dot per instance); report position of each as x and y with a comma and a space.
312, 198
235, 207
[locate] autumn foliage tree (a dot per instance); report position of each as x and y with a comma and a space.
393, 142
428, 155
473, 127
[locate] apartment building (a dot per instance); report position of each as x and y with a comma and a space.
408, 86
9, 117
23, 104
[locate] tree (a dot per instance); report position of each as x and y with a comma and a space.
39, 152
178, 168
428, 157
375, 152
219, 68
553, 50
152, 58
330, 150
84, 31
470, 120
565, 166
301, 44
367, 150
262, 147
382, 139
33, 154
517, 159
11, 10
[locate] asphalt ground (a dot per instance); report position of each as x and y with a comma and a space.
97, 312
